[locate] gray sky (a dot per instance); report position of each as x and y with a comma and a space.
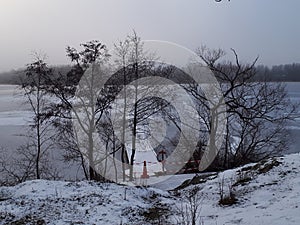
269, 28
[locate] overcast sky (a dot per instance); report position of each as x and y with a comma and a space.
268, 28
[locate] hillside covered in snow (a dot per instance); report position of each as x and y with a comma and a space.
267, 192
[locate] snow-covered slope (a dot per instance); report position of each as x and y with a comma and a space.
264, 193
57, 202
267, 193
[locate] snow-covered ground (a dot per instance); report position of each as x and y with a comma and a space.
266, 193
269, 197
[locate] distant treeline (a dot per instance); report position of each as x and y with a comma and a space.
16, 76
11, 77
286, 72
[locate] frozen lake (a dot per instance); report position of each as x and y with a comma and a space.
14, 121
14, 117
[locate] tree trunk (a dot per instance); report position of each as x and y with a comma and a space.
134, 128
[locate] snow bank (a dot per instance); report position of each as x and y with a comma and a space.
267, 193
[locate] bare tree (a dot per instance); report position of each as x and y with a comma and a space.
33, 87
134, 63
95, 104
189, 210
31, 160
257, 112
122, 51
20, 165
137, 57
63, 88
